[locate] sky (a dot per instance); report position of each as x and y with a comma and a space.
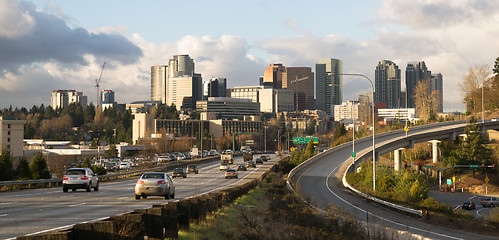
49, 45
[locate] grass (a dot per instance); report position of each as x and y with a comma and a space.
272, 211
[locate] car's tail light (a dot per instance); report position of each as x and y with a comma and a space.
140, 182
84, 178
65, 178
161, 182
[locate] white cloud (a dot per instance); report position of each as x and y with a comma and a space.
14, 21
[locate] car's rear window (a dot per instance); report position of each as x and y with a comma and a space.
75, 172
178, 170
154, 175
231, 170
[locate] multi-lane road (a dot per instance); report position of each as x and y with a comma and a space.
321, 182
31, 211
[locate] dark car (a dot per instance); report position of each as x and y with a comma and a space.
265, 157
179, 172
259, 160
241, 167
251, 164
192, 168
468, 205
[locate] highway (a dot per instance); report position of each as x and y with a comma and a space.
31, 211
320, 181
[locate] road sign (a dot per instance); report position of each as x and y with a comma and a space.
486, 179
453, 179
305, 140
428, 166
406, 129
354, 154
292, 149
475, 166
449, 181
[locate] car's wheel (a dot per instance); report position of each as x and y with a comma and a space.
96, 188
172, 196
137, 197
237, 177
144, 196
74, 189
491, 205
64, 189
89, 187
225, 177
185, 176
167, 196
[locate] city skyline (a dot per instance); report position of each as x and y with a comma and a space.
49, 45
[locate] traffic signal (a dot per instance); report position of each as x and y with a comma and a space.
405, 164
483, 165
420, 166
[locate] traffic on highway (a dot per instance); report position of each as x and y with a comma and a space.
33, 211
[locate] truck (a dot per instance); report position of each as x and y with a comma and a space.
226, 157
247, 156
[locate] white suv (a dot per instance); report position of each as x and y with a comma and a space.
80, 178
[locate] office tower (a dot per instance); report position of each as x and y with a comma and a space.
415, 72
273, 75
329, 82
62, 98
387, 84
176, 83
216, 87
107, 96
301, 81
436, 84
158, 81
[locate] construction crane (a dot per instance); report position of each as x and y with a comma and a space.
97, 84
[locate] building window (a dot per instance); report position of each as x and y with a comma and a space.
8, 133
8, 139
8, 125
8, 147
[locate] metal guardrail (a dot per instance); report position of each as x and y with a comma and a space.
58, 181
345, 183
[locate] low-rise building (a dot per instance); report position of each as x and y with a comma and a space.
228, 108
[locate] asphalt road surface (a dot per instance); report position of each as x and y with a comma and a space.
457, 199
31, 211
321, 183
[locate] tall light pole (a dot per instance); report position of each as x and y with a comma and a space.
374, 143
353, 120
483, 112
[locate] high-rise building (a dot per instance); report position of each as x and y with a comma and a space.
12, 135
216, 87
436, 84
158, 82
329, 82
176, 83
107, 99
301, 81
387, 84
415, 72
273, 75
62, 98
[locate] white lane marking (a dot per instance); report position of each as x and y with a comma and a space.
121, 198
6, 203
3, 215
457, 207
76, 205
479, 211
471, 197
385, 219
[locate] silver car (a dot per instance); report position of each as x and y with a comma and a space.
80, 178
154, 184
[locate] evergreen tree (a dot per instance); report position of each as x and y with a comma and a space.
112, 152
38, 167
496, 67
6, 170
473, 149
23, 171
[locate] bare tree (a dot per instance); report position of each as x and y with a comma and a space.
472, 81
426, 101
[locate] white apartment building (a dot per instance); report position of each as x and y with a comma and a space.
12, 135
398, 113
271, 100
347, 110
62, 98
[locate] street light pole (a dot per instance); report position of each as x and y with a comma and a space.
374, 143
483, 112
353, 119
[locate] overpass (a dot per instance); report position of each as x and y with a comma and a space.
320, 179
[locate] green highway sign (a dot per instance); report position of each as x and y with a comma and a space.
428, 166
475, 166
354, 154
305, 140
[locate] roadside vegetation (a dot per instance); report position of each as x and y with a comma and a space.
272, 211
